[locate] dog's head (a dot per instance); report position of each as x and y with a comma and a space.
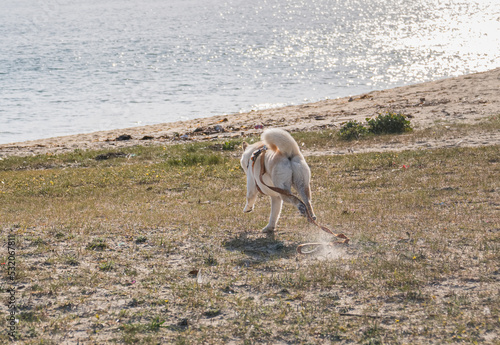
245, 157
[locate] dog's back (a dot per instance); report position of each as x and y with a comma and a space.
279, 140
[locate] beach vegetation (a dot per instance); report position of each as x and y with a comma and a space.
352, 130
389, 123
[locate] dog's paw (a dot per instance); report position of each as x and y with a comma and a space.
248, 209
268, 229
302, 209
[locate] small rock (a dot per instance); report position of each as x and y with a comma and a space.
212, 313
124, 137
228, 290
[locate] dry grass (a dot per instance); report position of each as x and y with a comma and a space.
152, 247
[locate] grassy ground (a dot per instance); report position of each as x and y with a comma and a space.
151, 246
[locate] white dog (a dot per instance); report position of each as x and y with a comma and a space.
284, 167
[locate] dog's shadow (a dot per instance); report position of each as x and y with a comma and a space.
260, 246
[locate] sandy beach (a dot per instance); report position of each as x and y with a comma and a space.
464, 99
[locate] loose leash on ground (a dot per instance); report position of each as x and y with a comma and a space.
301, 249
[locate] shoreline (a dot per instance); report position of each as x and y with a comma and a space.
464, 99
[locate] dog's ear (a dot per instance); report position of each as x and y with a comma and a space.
245, 145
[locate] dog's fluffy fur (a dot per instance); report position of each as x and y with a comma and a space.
285, 167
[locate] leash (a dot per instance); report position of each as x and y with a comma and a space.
301, 249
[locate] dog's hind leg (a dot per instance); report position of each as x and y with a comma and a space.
305, 194
296, 202
282, 178
276, 204
301, 181
293, 200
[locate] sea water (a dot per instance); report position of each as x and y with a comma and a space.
74, 66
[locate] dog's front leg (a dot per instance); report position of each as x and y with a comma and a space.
252, 193
276, 204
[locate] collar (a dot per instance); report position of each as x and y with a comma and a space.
256, 154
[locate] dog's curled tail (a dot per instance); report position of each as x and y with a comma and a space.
280, 140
